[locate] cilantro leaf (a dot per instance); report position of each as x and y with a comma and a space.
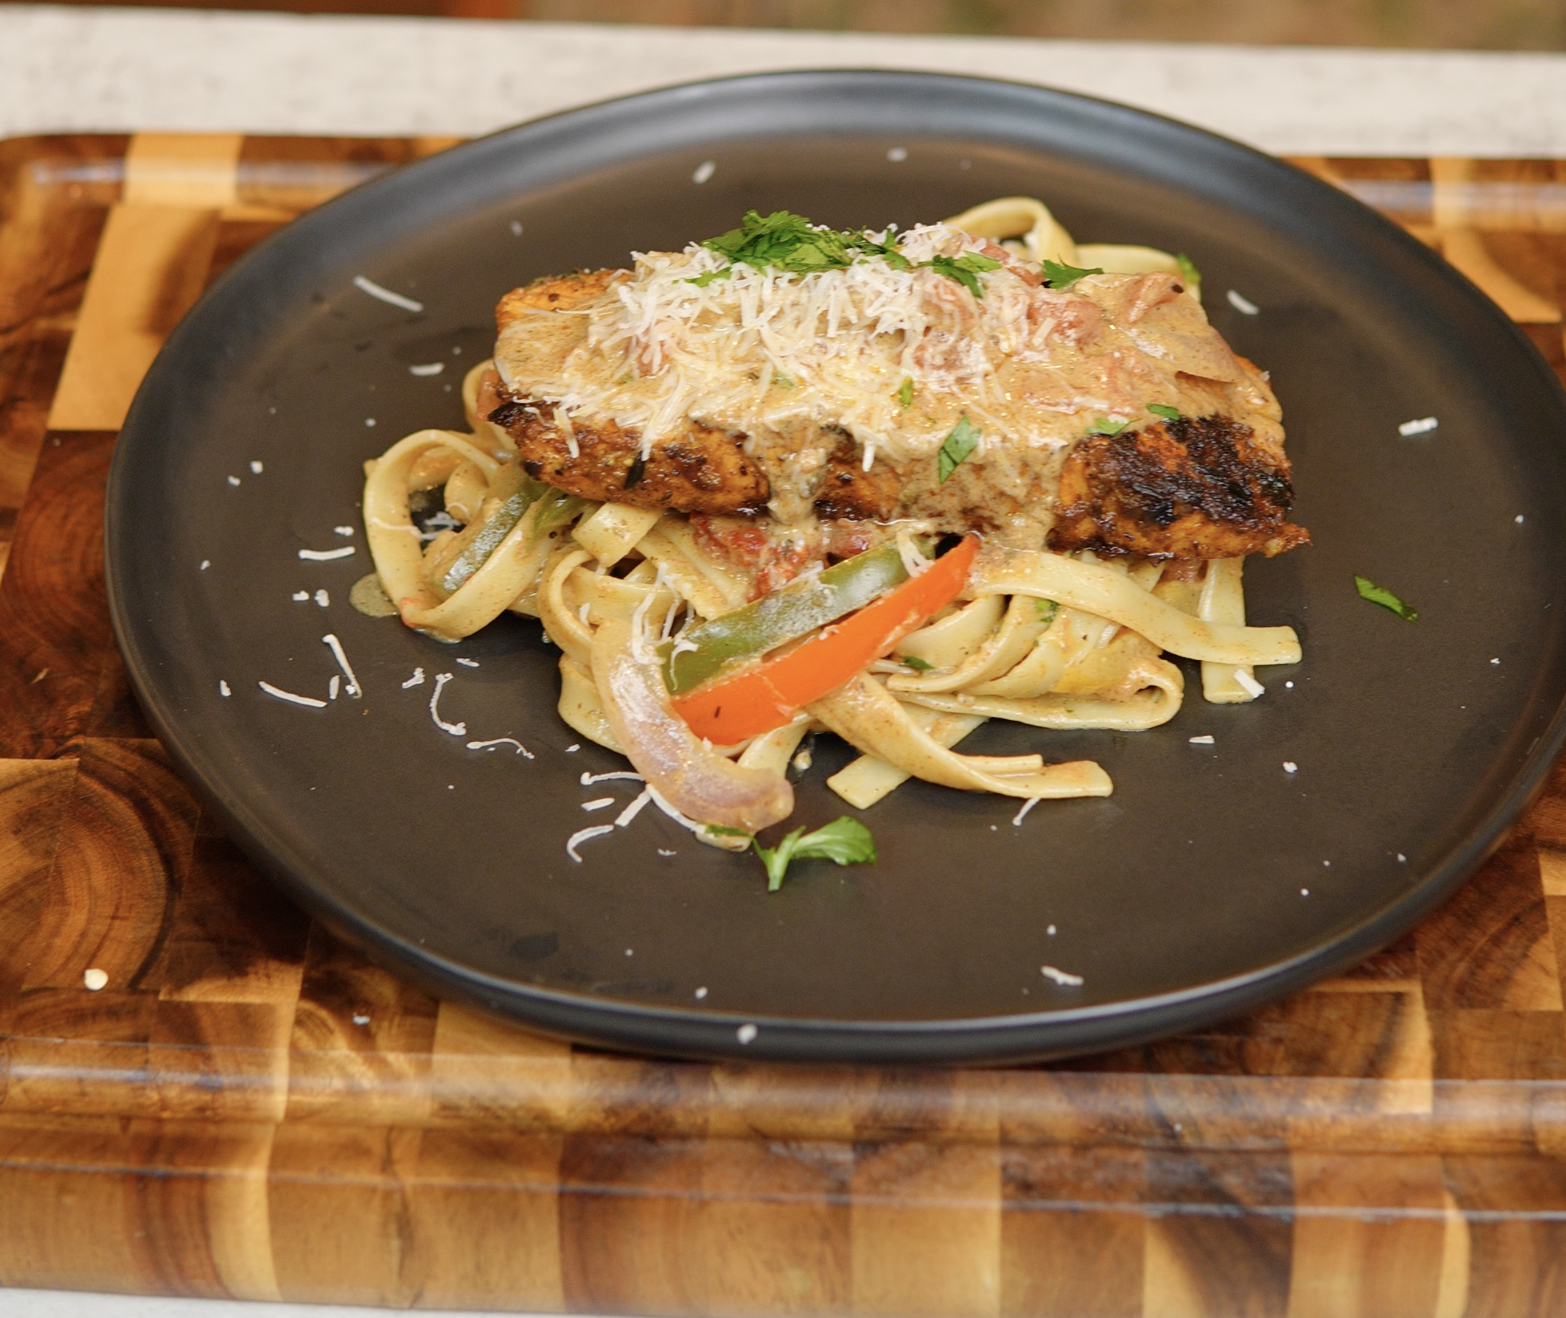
870, 247
1188, 270
1104, 426
1368, 590
1047, 609
812, 256
845, 840
905, 391
757, 234
961, 442
914, 662
1057, 275
965, 269
1164, 410
786, 241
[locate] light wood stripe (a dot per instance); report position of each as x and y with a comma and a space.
151, 264
238, 1222
197, 170
149, 271
925, 1231
1349, 1263
1456, 1262
1463, 246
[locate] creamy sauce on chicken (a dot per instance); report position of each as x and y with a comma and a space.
869, 369
766, 350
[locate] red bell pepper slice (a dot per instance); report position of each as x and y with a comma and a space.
768, 695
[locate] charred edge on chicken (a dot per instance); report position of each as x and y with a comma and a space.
1186, 488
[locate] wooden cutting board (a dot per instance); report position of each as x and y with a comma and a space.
250, 1109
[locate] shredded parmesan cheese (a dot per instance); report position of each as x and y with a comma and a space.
490, 745
309, 702
336, 647
582, 835
386, 295
456, 729
635, 808
1248, 684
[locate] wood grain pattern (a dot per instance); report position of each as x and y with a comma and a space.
1346, 1265
53, 203
55, 640
1072, 1230
251, 1109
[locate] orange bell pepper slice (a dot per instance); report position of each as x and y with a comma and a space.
767, 696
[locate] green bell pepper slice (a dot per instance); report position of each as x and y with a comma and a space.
785, 615
517, 492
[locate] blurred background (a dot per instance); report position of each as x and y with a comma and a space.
1425, 24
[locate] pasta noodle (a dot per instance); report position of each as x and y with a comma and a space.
464, 527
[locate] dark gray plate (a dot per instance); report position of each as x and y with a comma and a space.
1213, 880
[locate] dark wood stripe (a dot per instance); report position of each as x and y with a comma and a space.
54, 625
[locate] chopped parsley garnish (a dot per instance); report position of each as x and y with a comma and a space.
870, 247
723, 830
905, 391
1047, 609
845, 840
1061, 276
1164, 410
1104, 426
785, 241
965, 269
961, 442
1188, 270
1368, 590
914, 662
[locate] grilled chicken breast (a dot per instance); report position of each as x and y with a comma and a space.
814, 402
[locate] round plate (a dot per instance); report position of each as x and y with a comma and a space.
1215, 878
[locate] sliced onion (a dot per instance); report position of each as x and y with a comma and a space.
692, 777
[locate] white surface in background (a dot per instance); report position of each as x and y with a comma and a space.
73, 1304
110, 70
